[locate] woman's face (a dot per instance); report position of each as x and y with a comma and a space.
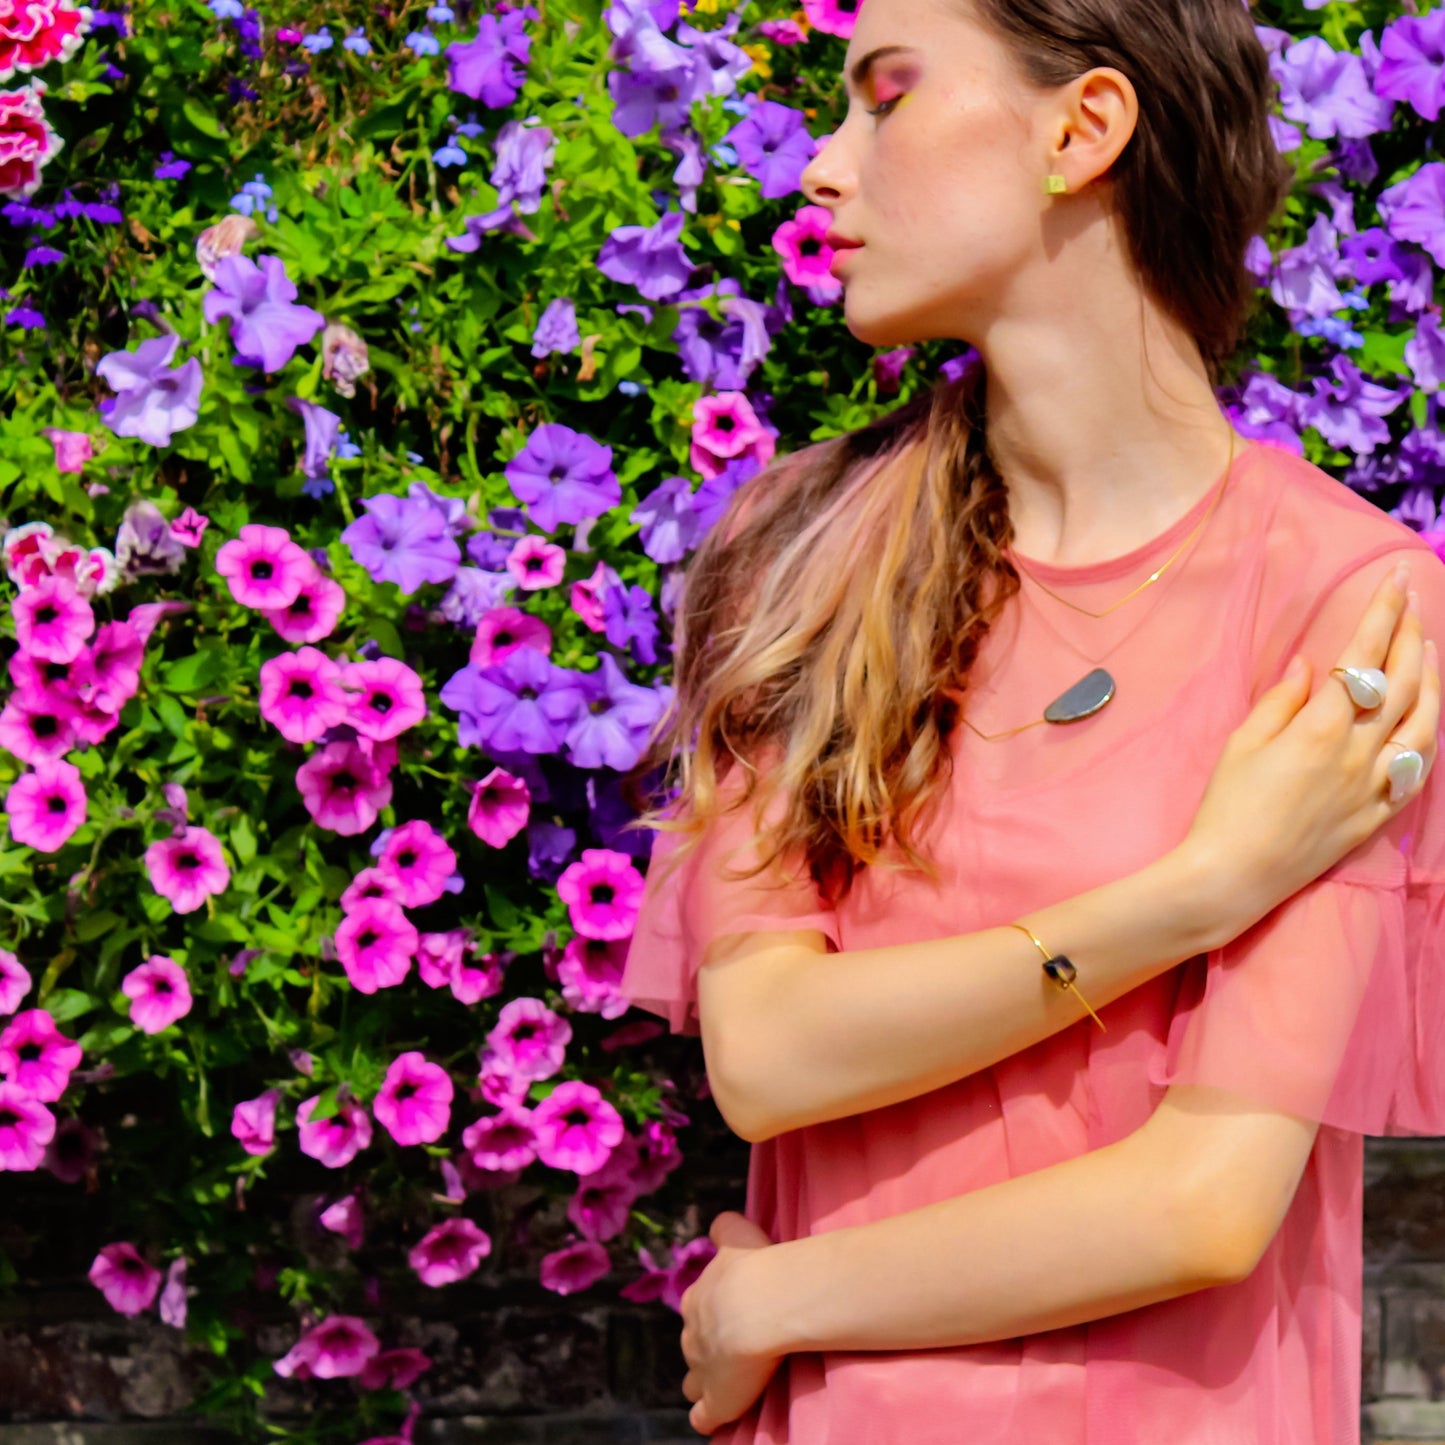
937, 170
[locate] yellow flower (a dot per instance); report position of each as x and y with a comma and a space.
758, 53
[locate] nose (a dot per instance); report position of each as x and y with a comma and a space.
828, 178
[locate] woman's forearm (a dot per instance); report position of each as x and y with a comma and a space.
1092, 1236
806, 1037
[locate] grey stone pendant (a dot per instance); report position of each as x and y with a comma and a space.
1082, 700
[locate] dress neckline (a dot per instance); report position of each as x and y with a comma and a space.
1112, 567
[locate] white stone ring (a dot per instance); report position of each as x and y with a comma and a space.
1406, 769
1366, 685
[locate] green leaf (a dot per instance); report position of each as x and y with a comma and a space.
243, 840
65, 1004
501, 909
202, 119
92, 925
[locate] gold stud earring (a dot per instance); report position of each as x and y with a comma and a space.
1055, 184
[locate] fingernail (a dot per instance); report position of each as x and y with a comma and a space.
1401, 573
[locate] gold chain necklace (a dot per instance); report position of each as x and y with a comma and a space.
1092, 692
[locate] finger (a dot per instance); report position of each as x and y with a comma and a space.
1421, 728
1402, 676
692, 1386
699, 1419
1275, 707
731, 1229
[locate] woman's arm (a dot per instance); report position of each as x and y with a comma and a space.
793, 1035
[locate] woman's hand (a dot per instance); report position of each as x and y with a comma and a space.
728, 1367
1302, 781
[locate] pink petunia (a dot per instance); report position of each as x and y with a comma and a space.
806, 253
376, 942
37, 726
189, 527
451, 1251
14, 982
72, 449
344, 1218
314, 611
52, 620
500, 807
601, 1205
586, 598
414, 1104
336, 1141
419, 860
253, 1122
129, 1284
472, 982
46, 805
530, 1038
338, 1347
263, 567
107, 673
726, 427
385, 698
590, 972
159, 993
395, 1370
503, 630
36, 1056
173, 1295
370, 883
26, 1127
602, 891
833, 17
504, 1140
576, 1127
301, 694
344, 786
438, 955
566, 1271
535, 562
189, 869
499, 1082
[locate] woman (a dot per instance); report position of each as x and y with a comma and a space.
984, 1205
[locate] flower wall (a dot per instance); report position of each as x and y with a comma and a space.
369, 374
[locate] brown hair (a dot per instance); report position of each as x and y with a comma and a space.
828, 615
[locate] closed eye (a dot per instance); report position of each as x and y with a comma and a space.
884, 107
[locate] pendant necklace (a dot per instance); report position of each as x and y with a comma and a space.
1096, 689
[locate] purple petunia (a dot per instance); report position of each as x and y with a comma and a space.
773, 146
523, 704
563, 476
491, 66
524, 151
648, 257
152, 401
557, 329
403, 541
266, 327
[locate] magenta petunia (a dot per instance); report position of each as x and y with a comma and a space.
129, 1284
439, 955
502, 1141
107, 673
26, 1127
472, 982
576, 1127
345, 785
376, 942
46, 805
38, 726
369, 883
395, 1370
253, 1122
336, 1141
602, 1203
36, 1056
338, 1347
503, 630
579, 1265
602, 891
385, 698
173, 1295
313, 613
52, 620
419, 860
726, 427
530, 1039
451, 1251
500, 807
414, 1104
73, 1150
190, 527
159, 992
806, 253
833, 17
535, 562
344, 1218
189, 869
14, 982
301, 694
590, 973
263, 567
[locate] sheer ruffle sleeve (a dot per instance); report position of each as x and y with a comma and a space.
684, 909
1332, 1007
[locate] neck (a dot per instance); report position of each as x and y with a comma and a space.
1100, 448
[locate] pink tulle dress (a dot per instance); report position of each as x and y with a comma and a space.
1331, 1007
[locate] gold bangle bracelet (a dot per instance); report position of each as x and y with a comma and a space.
1061, 971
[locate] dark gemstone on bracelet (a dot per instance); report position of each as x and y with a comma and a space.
1060, 969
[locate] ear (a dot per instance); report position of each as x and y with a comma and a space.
1097, 115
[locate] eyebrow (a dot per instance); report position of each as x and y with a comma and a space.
858, 75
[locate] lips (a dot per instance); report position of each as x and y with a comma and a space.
840, 242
